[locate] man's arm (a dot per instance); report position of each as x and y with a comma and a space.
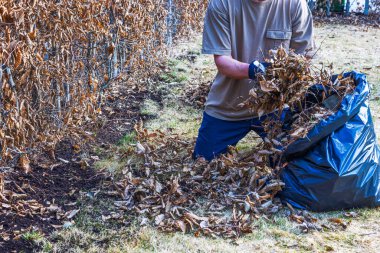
231, 68
239, 70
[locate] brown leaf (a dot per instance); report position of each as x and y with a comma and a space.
84, 164
33, 34
267, 86
18, 58
181, 225
39, 57
76, 148
24, 163
110, 49
339, 222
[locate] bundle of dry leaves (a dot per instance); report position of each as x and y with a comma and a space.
294, 87
165, 187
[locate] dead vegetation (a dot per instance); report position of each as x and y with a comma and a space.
41, 202
58, 59
165, 187
356, 19
196, 94
59, 64
299, 94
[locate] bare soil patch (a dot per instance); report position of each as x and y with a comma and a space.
47, 195
48, 187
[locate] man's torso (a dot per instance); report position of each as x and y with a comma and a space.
255, 29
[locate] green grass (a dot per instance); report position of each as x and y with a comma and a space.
194, 52
127, 139
279, 236
112, 162
38, 240
177, 72
176, 118
112, 165
150, 108
174, 77
32, 236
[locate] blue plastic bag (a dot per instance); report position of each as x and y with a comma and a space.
337, 166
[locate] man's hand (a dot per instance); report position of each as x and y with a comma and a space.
238, 70
257, 67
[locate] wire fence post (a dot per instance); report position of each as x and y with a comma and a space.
169, 23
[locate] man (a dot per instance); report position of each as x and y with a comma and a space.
240, 34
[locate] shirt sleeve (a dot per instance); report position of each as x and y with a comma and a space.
302, 40
217, 31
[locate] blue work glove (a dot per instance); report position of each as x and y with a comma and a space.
257, 67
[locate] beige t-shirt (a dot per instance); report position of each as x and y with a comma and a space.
247, 31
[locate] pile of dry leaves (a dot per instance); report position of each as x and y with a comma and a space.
285, 82
164, 186
222, 198
196, 95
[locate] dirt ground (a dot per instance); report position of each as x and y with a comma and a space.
96, 227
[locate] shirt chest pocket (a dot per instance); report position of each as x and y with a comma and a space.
276, 38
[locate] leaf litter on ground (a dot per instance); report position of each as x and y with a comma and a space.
196, 94
165, 187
